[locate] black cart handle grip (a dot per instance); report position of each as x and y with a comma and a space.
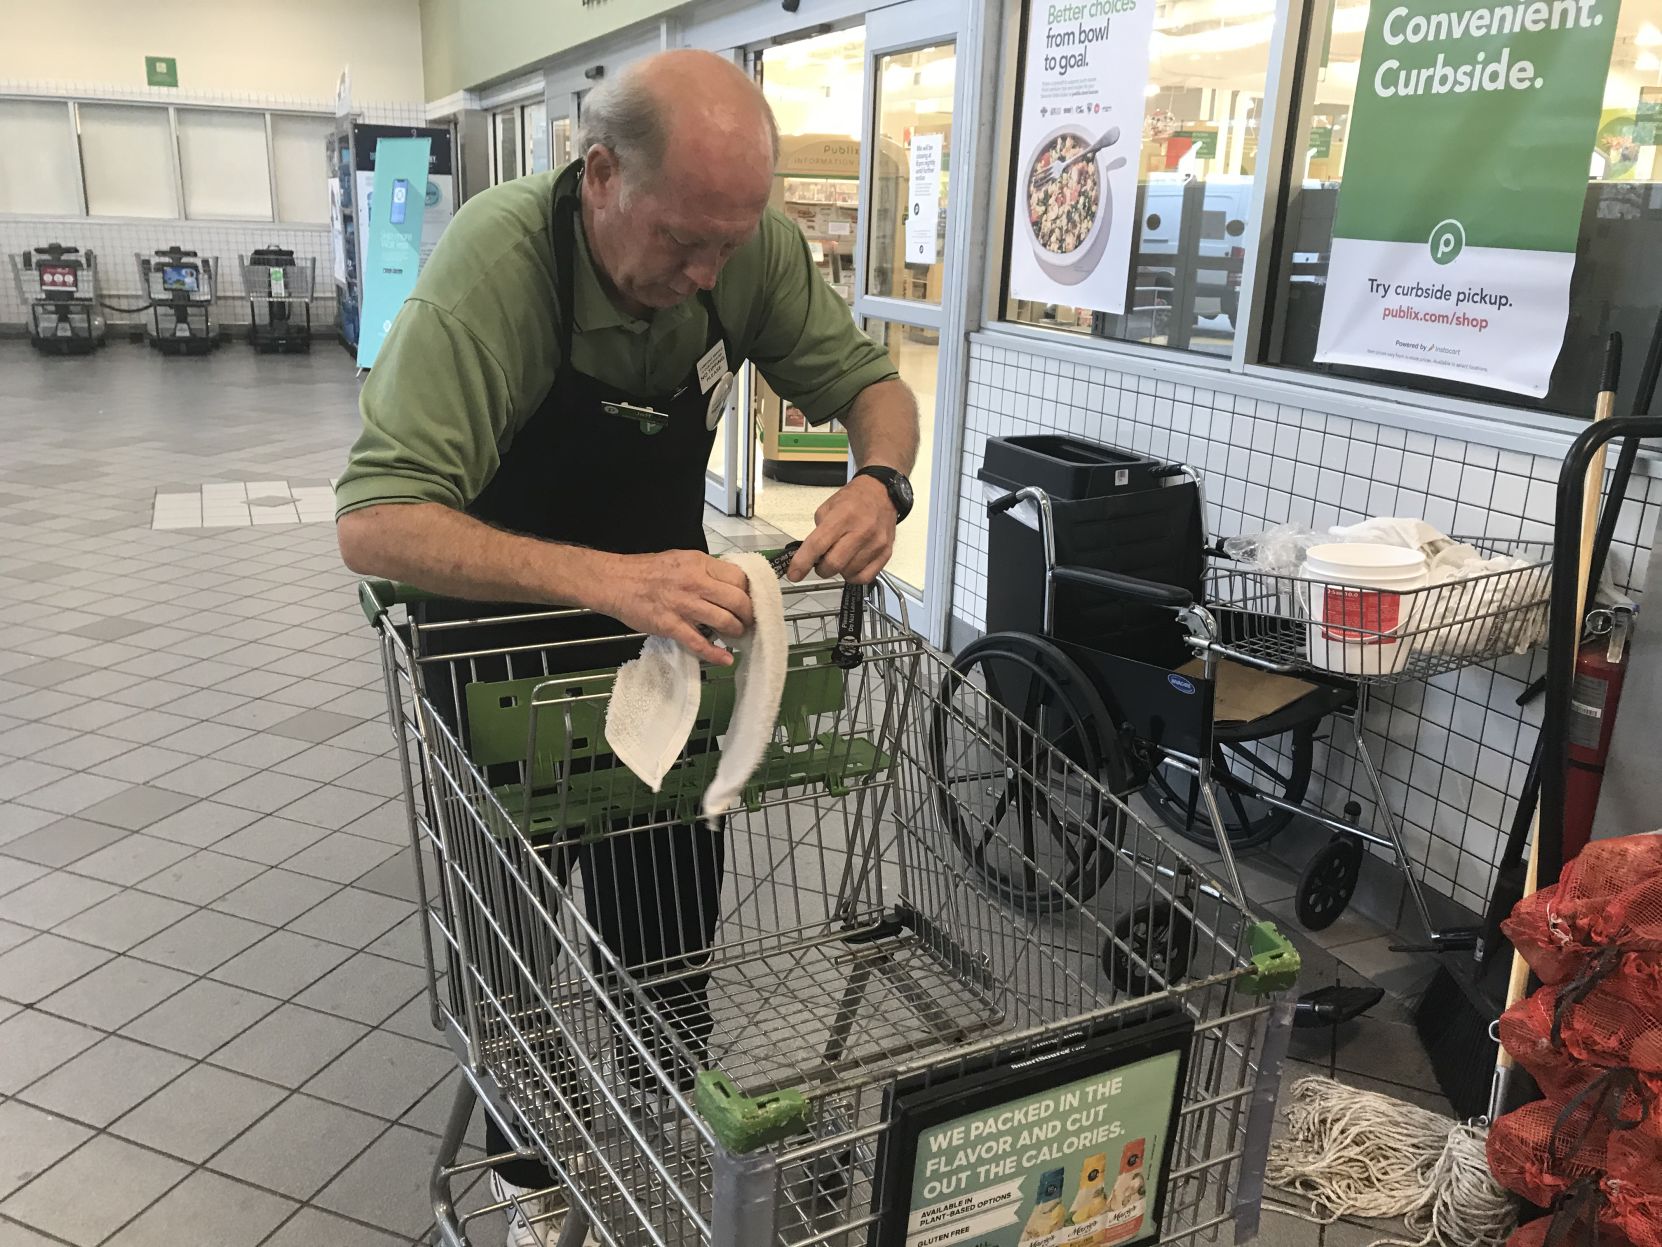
850, 623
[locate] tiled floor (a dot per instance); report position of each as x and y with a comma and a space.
211, 1028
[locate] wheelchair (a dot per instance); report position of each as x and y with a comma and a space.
1102, 640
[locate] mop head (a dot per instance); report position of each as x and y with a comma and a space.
1359, 1154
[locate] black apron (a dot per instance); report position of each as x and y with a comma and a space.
578, 472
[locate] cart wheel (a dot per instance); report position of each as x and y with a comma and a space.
1035, 832
1237, 769
1329, 882
1162, 936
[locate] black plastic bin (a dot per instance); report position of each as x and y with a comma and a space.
1113, 511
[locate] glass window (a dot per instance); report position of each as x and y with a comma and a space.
916, 353
297, 145
536, 136
560, 138
127, 153
909, 173
1613, 287
37, 159
1207, 66
222, 159
507, 144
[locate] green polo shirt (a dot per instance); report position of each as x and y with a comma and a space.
474, 350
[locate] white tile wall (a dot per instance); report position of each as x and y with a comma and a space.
1453, 752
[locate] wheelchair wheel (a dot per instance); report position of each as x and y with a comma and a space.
1237, 769
1162, 936
1328, 883
1033, 831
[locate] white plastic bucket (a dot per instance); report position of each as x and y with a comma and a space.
1360, 606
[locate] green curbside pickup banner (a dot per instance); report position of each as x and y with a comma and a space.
1465, 176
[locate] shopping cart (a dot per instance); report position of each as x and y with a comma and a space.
863, 980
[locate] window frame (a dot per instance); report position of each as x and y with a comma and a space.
175, 173
1294, 22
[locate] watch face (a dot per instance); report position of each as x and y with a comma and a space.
903, 488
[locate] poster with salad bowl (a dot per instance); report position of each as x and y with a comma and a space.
1084, 76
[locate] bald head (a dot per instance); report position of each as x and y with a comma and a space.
679, 118
678, 154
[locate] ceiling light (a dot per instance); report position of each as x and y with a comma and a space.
1649, 36
1151, 90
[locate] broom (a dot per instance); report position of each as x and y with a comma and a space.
1358, 1153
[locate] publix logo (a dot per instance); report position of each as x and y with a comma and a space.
1447, 241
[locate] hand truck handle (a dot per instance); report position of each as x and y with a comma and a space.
377, 597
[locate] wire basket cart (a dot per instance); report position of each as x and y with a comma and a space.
280, 288
181, 286
858, 960
58, 285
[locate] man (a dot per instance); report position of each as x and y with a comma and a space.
506, 454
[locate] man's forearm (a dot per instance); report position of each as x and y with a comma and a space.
883, 426
444, 551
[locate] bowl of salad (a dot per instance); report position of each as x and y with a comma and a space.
1067, 216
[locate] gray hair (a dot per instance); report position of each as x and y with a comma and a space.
622, 116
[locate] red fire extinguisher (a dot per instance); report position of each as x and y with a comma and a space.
1598, 690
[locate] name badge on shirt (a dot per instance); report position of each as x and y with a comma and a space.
711, 365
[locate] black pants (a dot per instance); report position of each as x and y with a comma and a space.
652, 896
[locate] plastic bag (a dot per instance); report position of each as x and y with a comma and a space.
1279, 550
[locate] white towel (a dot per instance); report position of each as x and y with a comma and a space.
655, 699
761, 682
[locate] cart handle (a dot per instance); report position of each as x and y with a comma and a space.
377, 597
1126, 586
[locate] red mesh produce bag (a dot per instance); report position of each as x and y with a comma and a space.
1632, 1212
1527, 1159
1603, 1031
1610, 894
1635, 1156
1571, 1231
1618, 1021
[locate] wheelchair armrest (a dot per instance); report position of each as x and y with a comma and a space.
1126, 586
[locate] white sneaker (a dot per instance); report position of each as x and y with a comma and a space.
531, 1203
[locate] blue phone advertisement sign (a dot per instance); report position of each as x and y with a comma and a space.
392, 258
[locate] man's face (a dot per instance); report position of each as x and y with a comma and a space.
661, 242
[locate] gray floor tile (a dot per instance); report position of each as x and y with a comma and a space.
148, 727
203, 1017
415, 1020
198, 1113
383, 1074
138, 807
109, 628
29, 739
267, 792
151, 694
99, 1187
202, 823
142, 764
202, 877
63, 842
18, 873
331, 806
206, 1210
83, 750
34, 970
115, 993
31, 1141
23, 776
105, 1081
363, 703
394, 877
340, 857
204, 703
277, 896
299, 1146
201, 740
261, 750
33, 1044
365, 989
17, 821
281, 964
1401, 974
75, 794
126, 919
255, 683
372, 736
50, 674
202, 941
388, 823
352, 917
380, 776
386, 1186
312, 1227
271, 840
289, 1045
204, 777
52, 898
316, 725
402, 943
132, 859
324, 763
12, 934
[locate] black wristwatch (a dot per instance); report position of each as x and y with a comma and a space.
900, 489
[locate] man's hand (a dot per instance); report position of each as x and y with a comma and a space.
672, 594
853, 534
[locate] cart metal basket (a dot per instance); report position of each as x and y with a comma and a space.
280, 287
1379, 636
858, 951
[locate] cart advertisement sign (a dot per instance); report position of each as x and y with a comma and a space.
1026, 1161
1464, 181
1072, 219
392, 252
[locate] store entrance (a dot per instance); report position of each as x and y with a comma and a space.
854, 202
